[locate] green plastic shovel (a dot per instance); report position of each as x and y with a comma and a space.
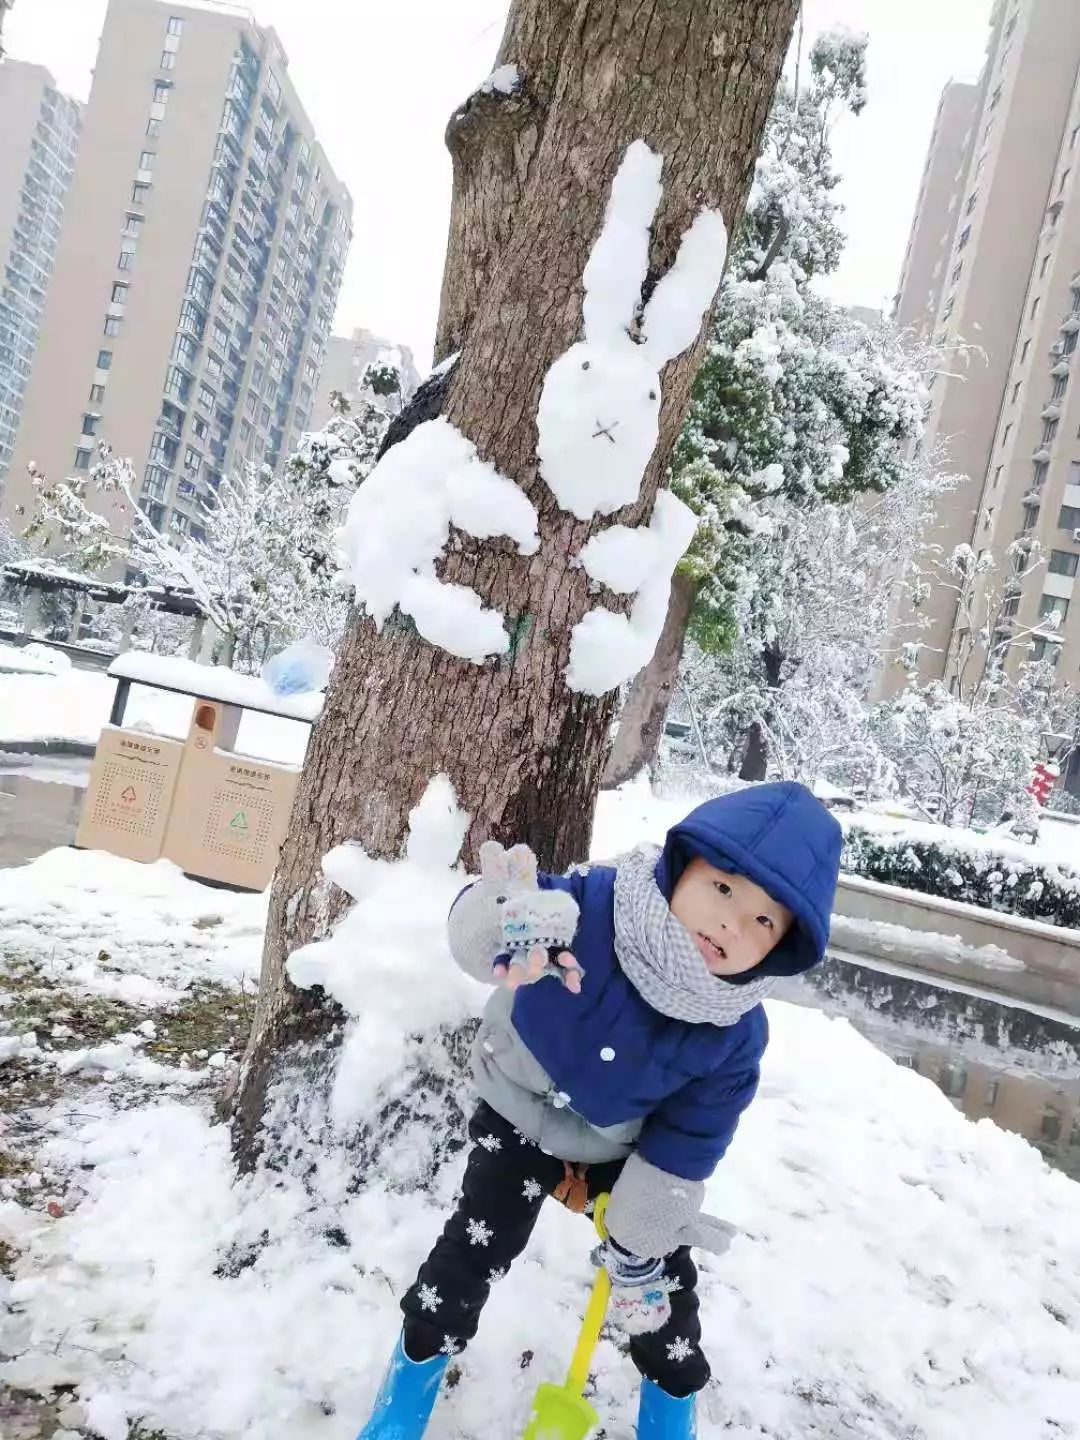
561, 1412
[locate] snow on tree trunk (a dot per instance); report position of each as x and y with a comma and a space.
641, 723
694, 80
755, 762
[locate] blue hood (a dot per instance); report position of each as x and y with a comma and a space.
783, 839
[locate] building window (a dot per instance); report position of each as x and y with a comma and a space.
1044, 649
952, 1079
104, 359
995, 99
1064, 182
185, 350
973, 200
119, 292
126, 260
1039, 472
199, 427
1024, 351
168, 60
207, 398
1016, 392
90, 423
176, 25
1069, 517
1062, 562
153, 127
1006, 433
112, 325
132, 225
1059, 387
139, 193
965, 236
1050, 429
1035, 306
955, 276
1068, 345
1053, 605
97, 394
997, 477
1045, 266
161, 92
1074, 137
949, 306
146, 159
82, 459
192, 461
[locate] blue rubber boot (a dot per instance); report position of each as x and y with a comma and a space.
406, 1397
663, 1417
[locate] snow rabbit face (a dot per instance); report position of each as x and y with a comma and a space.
598, 418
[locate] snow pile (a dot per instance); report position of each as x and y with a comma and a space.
213, 682
506, 80
392, 945
93, 923
398, 527
901, 1272
116, 1057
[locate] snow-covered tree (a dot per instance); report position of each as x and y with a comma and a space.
497, 616
261, 561
795, 399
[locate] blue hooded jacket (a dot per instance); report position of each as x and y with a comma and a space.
614, 1057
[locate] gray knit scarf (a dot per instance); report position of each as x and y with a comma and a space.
660, 958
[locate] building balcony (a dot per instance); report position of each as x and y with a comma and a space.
1041, 456
1033, 497
1062, 367
1051, 410
1071, 324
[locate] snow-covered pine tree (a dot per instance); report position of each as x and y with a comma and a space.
467, 671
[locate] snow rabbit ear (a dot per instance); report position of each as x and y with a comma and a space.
619, 261
672, 318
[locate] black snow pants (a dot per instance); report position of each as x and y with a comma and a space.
506, 1180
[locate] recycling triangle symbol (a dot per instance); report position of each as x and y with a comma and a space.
239, 821
128, 794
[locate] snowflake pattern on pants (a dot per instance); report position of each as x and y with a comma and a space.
479, 1232
430, 1299
680, 1349
491, 1143
532, 1189
494, 1275
450, 1346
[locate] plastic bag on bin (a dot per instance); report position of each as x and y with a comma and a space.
299, 668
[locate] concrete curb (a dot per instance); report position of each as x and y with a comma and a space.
81, 748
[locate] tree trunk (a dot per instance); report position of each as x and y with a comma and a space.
641, 723
756, 756
694, 79
493, 139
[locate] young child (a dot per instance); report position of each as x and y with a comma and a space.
617, 1053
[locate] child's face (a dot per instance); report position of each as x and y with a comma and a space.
734, 922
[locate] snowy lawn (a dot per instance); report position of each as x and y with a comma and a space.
902, 1273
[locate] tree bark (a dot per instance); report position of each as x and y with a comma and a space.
641, 723
695, 80
756, 756
493, 139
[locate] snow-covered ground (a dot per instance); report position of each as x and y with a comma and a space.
75, 704
901, 1272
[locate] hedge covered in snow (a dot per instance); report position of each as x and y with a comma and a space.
966, 869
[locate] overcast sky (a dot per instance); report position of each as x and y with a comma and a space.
380, 78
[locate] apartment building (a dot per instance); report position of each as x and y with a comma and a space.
988, 264
923, 276
40, 130
348, 358
198, 266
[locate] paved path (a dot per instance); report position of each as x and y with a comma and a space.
40, 802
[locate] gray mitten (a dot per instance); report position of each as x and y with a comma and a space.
652, 1212
536, 926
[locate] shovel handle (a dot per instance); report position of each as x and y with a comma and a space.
594, 1313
